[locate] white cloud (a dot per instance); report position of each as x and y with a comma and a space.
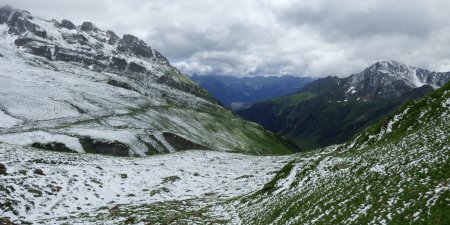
193, 67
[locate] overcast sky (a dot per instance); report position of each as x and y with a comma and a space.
272, 37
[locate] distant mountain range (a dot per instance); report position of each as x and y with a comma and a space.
331, 110
236, 92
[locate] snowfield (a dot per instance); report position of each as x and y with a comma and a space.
81, 184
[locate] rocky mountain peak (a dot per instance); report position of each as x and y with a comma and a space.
39, 35
90, 47
6, 12
88, 27
136, 46
18, 22
390, 67
68, 24
112, 37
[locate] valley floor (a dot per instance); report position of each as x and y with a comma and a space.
53, 188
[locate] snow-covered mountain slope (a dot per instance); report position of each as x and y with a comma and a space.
395, 172
52, 188
78, 88
387, 79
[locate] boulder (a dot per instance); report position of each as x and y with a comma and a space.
67, 24
2, 169
39, 172
113, 38
88, 26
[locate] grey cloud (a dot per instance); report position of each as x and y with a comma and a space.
272, 37
385, 17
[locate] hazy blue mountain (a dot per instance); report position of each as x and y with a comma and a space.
235, 92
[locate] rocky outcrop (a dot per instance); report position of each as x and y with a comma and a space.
88, 27
68, 25
2, 169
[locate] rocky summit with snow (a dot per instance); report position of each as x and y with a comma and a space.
331, 110
388, 79
81, 89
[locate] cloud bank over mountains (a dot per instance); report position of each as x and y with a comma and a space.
272, 37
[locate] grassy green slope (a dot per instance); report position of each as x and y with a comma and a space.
395, 172
314, 121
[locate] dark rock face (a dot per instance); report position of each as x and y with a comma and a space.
54, 146
37, 47
161, 59
136, 46
69, 57
88, 26
2, 169
113, 38
181, 144
117, 63
19, 24
136, 68
120, 84
39, 172
22, 41
5, 11
68, 25
104, 147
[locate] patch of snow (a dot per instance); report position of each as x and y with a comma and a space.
285, 183
377, 169
42, 137
123, 136
7, 121
395, 120
351, 90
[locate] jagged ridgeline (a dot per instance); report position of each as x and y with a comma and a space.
394, 172
78, 88
332, 110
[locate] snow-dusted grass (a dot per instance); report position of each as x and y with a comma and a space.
78, 185
396, 177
